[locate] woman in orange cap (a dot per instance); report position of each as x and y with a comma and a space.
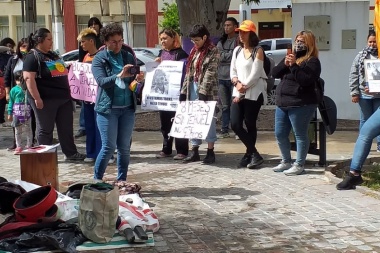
249, 80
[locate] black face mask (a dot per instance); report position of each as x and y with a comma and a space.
301, 53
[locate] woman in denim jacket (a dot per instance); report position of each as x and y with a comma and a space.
115, 102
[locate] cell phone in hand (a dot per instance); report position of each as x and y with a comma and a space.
134, 70
289, 49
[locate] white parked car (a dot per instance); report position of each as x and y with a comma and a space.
149, 50
276, 49
142, 58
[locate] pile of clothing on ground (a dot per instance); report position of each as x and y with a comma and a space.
36, 218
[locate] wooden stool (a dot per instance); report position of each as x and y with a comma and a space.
40, 168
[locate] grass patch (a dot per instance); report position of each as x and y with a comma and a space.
371, 177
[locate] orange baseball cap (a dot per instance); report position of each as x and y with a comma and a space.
246, 26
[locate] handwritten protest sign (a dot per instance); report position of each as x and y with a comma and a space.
193, 119
162, 85
82, 83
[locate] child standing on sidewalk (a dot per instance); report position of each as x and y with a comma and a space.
19, 114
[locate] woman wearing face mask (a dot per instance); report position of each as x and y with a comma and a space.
368, 103
296, 100
15, 64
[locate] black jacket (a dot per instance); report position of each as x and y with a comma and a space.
8, 75
297, 86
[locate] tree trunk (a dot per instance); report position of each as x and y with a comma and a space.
210, 13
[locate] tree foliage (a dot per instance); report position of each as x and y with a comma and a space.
170, 17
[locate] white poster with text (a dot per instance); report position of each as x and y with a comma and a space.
193, 119
162, 85
372, 74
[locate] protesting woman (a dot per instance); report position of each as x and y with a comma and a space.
201, 83
171, 50
115, 102
49, 93
368, 103
296, 100
248, 77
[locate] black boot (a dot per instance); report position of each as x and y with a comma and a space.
256, 160
194, 156
210, 156
244, 161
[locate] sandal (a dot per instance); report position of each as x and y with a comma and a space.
162, 155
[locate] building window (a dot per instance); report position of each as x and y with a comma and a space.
82, 22
139, 31
4, 27
20, 29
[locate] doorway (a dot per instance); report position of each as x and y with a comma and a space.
270, 30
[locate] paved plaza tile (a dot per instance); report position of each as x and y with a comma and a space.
218, 208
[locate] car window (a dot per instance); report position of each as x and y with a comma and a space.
266, 45
71, 57
282, 43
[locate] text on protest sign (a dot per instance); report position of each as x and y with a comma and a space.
162, 85
193, 119
82, 83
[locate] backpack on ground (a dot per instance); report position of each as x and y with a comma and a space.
268, 66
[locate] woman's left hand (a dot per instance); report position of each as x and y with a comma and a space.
140, 77
240, 87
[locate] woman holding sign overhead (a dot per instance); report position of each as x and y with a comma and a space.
201, 83
49, 93
171, 50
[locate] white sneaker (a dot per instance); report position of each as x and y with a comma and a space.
296, 169
282, 166
237, 137
89, 160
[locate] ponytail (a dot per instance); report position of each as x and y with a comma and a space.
30, 42
37, 37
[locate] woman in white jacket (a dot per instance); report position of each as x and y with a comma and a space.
248, 76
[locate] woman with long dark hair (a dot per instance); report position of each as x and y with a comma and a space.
49, 93
368, 102
15, 64
248, 77
201, 83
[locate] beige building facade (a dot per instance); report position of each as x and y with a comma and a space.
271, 23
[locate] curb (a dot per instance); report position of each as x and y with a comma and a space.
335, 171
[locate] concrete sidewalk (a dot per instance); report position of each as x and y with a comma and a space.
217, 208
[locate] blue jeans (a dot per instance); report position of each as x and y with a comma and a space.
82, 125
369, 130
211, 136
93, 140
299, 119
367, 108
225, 96
116, 132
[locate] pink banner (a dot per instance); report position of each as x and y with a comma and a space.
82, 83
